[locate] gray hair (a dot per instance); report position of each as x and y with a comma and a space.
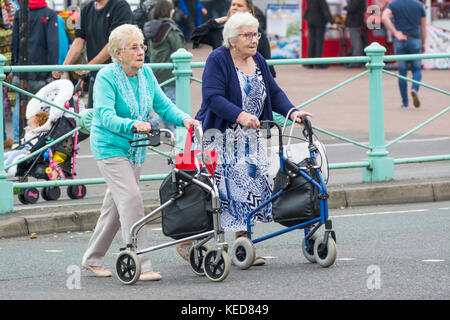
233, 26
118, 39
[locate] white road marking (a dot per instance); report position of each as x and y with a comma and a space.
377, 213
54, 251
433, 260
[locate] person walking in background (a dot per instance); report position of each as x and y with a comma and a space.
210, 32
193, 11
97, 19
354, 21
317, 15
43, 49
164, 39
409, 30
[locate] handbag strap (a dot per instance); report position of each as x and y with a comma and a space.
188, 143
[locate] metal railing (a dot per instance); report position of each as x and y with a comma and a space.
378, 166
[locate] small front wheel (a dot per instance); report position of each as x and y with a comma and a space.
325, 254
243, 253
216, 271
128, 267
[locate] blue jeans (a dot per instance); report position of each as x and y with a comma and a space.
409, 46
156, 119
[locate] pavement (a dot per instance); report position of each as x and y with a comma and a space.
343, 112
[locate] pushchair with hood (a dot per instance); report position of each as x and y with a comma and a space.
58, 161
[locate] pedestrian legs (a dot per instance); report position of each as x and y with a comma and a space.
122, 207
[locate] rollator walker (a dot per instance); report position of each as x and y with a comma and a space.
299, 201
190, 210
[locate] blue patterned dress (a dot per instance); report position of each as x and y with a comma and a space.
242, 169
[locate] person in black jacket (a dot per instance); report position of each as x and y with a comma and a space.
354, 21
97, 19
317, 15
210, 32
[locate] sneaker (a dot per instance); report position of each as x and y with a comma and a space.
403, 106
8, 143
415, 98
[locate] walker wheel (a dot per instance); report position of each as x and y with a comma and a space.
51, 193
309, 254
29, 195
196, 259
216, 272
325, 254
128, 267
76, 192
243, 253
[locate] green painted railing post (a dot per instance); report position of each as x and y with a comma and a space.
182, 72
6, 187
381, 166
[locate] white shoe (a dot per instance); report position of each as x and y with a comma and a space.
99, 273
150, 276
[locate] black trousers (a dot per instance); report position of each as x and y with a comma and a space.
315, 41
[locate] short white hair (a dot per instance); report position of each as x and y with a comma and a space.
118, 39
235, 23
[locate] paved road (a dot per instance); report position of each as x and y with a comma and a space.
384, 252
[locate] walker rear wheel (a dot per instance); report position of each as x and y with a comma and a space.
128, 267
216, 272
243, 253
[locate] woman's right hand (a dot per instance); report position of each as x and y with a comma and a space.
142, 127
222, 20
248, 120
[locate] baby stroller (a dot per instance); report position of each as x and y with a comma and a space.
190, 210
58, 161
299, 201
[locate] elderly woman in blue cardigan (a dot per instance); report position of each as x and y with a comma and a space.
238, 92
125, 92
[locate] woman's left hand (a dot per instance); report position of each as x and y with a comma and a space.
298, 115
188, 122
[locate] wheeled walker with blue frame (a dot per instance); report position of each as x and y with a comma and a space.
292, 208
197, 220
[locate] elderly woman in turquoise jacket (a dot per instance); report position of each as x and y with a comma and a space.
125, 93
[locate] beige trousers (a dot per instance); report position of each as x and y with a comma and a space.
122, 207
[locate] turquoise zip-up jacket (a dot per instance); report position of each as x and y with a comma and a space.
112, 124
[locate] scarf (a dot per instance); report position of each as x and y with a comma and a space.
139, 111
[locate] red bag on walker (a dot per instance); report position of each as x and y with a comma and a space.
191, 159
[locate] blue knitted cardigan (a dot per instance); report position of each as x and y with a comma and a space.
221, 92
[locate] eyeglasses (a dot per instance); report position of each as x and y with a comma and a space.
142, 47
250, 35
